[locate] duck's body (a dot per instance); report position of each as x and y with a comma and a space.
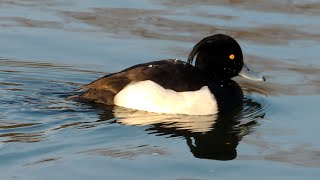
171, 75
174, 86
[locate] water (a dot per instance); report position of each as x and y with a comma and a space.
49, 49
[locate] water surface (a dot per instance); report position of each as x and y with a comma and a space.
49, 49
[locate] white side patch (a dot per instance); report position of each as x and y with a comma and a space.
149, 96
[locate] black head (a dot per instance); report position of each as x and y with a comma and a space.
219, 56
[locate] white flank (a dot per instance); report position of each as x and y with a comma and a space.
149, 96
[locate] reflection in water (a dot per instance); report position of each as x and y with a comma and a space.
221, 142
209, 137
194, 124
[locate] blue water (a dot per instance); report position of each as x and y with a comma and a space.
49, 49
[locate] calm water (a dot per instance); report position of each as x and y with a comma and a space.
49, 48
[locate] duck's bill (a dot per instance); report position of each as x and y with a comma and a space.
248, 73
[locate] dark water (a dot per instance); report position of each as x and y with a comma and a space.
50, 48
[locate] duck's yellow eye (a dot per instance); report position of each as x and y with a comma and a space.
231, 57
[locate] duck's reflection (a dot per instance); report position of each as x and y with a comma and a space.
209, 137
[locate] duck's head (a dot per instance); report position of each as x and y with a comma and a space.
220, 56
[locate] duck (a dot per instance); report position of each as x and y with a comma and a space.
173, 86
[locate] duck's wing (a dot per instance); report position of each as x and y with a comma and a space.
170, 74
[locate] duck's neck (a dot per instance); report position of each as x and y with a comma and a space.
228, 94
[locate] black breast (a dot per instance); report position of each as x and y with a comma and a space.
227, 93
